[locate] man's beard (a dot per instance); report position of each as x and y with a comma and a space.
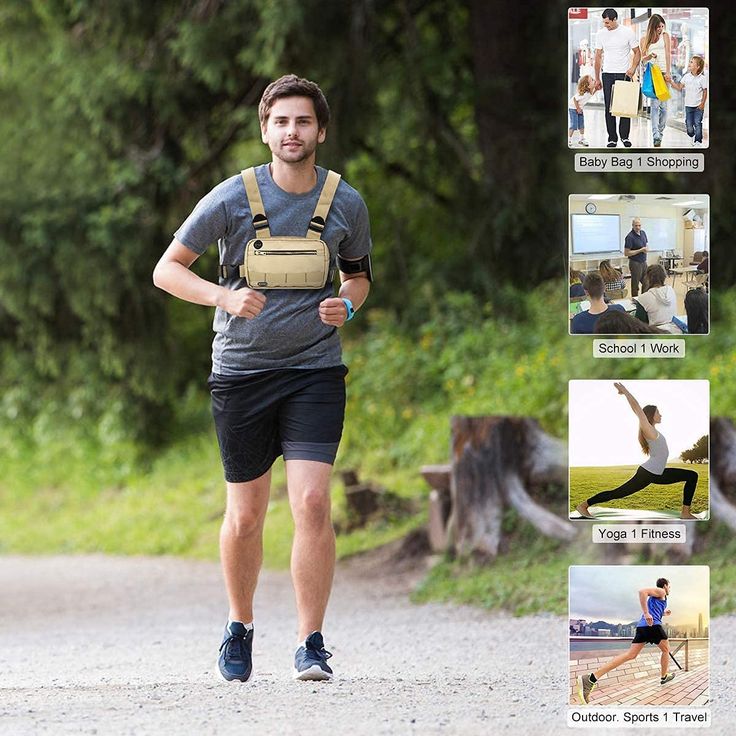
296, 156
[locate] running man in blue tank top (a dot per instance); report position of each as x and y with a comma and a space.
649, 630
654, 470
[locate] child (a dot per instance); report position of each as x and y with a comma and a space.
586, 90
695, 84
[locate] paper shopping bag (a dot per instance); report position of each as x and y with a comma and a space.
660, 86
625, 99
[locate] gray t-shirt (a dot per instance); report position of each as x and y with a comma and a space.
288, 333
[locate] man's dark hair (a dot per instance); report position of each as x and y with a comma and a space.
593, 284
610, 13
661, 582
292, 86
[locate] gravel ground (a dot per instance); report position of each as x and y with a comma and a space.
103, 645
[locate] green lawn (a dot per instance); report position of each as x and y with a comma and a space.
585, 482
174, 506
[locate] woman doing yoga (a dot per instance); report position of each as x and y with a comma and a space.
654, 470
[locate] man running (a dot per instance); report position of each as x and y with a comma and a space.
649, 630
278, 381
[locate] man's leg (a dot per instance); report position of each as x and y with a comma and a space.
637, 275
607, 81
313, 550
241, 543
633, 653
586, 683
624, 124
664, 659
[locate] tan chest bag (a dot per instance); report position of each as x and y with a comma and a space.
286, 262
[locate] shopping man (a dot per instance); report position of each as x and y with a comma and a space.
613, 46
278, 381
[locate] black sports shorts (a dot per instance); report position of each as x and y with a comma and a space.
297, 413
649, 634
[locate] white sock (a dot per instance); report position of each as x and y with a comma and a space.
248, 627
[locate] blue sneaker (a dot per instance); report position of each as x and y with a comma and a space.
235, 661
310, 660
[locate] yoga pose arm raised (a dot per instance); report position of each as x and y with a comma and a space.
646, 427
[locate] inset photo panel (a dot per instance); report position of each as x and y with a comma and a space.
639, 450
639, 636
638, 79
639, 264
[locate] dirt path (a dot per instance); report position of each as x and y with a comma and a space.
100, 645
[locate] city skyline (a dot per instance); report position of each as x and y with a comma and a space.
610, 593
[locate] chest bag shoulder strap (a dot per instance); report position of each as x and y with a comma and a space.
317, 223
257, 210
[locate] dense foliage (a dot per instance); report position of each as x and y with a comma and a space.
118, 116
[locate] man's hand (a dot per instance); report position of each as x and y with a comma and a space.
649, 619
667, 612
245, 303
333, 311
598, 85
701, 107
620, 388
630, 73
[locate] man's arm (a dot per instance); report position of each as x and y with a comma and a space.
645, 593
629, 252
635, 62
597, 66
173, 275
355, 287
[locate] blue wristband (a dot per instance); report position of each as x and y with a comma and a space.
350, 308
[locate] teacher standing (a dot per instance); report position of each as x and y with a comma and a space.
613, 46
635, 249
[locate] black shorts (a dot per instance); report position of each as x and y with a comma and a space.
649, 634
297, 413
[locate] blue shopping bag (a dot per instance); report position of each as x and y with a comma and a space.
647, 84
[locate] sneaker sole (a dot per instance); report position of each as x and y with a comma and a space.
315, 672
231, 678
580, 690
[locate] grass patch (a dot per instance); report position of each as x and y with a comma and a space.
520, 582
586, 482
528, 576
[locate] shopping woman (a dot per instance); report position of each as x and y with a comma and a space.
655, 48
654, 470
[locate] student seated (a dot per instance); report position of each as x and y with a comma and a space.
614, 322
696, 308
613, 279
576, 283
656, 305
583, 323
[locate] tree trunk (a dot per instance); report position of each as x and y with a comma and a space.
723, 471
494, 461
